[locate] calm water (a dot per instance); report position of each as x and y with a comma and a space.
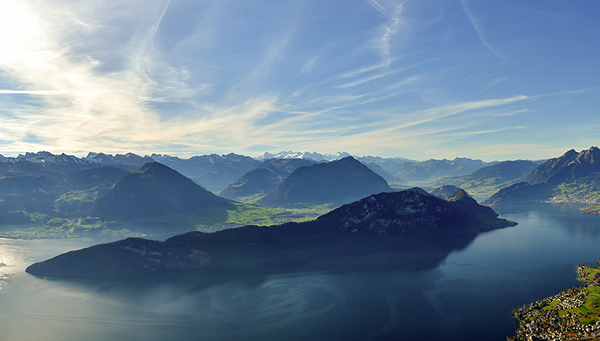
454, 290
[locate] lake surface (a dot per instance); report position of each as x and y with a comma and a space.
460, 289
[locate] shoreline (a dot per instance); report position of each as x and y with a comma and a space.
572, 314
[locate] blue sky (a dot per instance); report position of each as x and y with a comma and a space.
494, 80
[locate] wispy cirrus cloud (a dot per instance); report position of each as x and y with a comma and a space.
476, 22
90, 106
31, 92
189, 77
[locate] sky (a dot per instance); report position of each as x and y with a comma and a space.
492, 80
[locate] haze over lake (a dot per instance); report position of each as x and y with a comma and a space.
457, 289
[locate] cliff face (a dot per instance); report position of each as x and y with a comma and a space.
375, 222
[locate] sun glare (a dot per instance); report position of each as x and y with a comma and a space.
19, 32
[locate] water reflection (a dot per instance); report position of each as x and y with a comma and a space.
451, 290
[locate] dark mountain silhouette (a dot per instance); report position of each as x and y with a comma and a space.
336, 182
264, 179
379, 221
156, 190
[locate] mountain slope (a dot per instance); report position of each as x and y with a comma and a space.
570, 178
568, 167
384, 174
490, 179
213, 172
84, 188
264, 179
432, 170
336, 182
379, 221
445, 191
157, 190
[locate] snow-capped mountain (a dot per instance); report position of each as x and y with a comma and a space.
306, 155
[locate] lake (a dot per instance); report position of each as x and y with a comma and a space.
461, 289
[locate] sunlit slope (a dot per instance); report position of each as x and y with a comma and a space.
571, 178
488, 180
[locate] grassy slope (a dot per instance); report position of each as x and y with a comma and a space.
590, 311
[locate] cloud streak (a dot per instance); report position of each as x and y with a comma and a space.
31, 92
476, 23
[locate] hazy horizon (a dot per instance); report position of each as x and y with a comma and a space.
261, 155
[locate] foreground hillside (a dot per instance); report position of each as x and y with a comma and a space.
378, 221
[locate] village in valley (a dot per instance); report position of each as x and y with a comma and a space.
573, 314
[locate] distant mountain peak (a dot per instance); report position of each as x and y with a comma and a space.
568, 167
336, 182
306, 155
156, 189
459, 195
589, 156
155, 167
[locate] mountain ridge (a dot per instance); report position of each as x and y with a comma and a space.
154, 190
378, 221
573, 177
334, 182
